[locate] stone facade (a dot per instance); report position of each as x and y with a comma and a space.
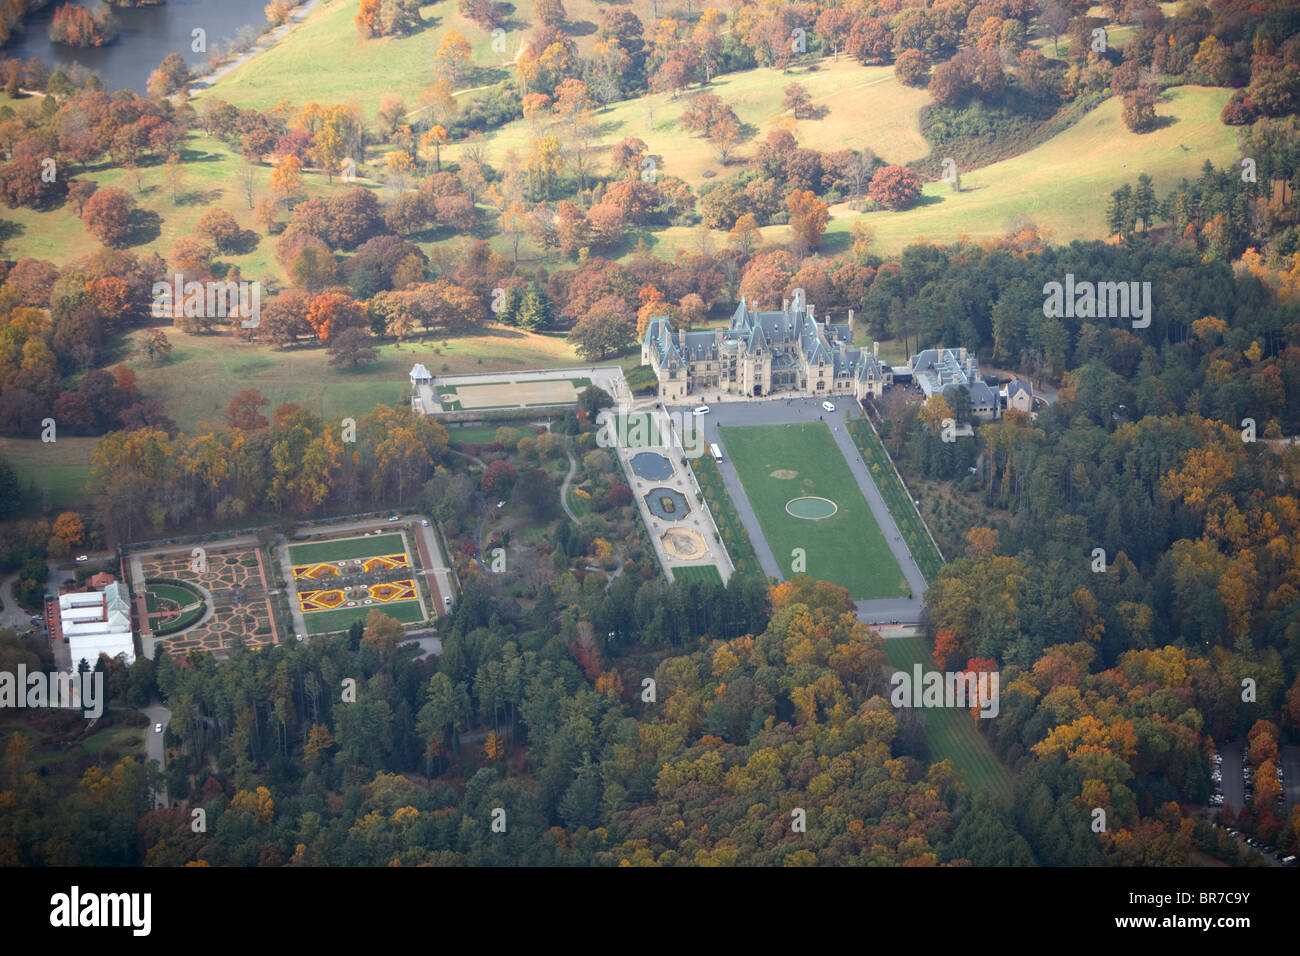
764, 353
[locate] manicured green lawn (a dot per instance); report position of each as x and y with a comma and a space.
910, 524
322, 622
950, 732
473, 435
777, 463
698, 572
173, 592
341, 549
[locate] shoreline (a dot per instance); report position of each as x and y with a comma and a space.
266, 42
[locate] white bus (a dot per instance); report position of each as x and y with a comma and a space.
717, 452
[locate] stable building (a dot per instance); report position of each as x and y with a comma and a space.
939, 371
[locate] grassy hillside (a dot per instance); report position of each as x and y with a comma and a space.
304, 66
212, 178
1063, 185
866, 108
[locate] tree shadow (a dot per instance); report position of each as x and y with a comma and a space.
146, 226
490, 75
1166, 121
580, 28
200, 156
11, 230
199, 197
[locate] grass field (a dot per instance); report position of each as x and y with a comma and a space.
698, 572
865, 108
734, 536
473, 435
211, 174
777, 463
173, 592
951, 733
899, 502
206, 371
322, 622
341, 549
58, 470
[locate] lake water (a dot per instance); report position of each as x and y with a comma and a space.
145, 36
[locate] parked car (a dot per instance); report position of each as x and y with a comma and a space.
828, 406
83, 558
446, 600
701, 410
157, 728
424, 523
395, 518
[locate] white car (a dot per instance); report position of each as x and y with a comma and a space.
828, 406
447, 600
395, 518
82, 558
701, 410
157, 728
424, 523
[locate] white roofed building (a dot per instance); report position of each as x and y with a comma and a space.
423, 400
97, 622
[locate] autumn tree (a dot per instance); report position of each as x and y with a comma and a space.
453, 60
222, 228
352, 348
331, 312
243, 412
796, 101
895, 187
286, 179
808, 218
108, 216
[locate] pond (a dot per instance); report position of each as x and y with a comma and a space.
145, 36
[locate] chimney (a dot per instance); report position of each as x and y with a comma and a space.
785, 305
875, 348
850, 322
810, 312
681, 339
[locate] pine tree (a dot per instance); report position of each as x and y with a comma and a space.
1145, 206
1119, 210
534, 312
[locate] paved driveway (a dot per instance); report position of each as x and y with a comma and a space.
153, 743
795, 410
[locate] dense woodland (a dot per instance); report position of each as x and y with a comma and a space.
1117, 684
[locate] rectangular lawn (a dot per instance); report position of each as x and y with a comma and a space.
697, 572
341, 549
320, 622
777, 463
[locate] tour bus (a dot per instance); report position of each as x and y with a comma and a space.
717, 452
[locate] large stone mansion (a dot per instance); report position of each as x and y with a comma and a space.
790, 351
762, 353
